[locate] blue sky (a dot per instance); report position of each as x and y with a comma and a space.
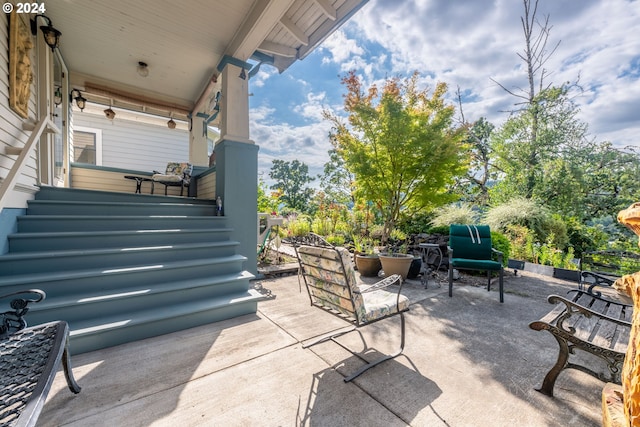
464, 43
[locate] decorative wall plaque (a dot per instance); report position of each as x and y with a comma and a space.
20, 70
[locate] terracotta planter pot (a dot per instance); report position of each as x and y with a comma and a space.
396, 264
368, 265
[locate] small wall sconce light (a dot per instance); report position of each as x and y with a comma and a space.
109, 113
51, 35
143, 69
57, 96
81, 101
243, 74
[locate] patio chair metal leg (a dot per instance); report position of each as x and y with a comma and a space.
501, 285
488, 280
382, 359
328, 336
68, 373
450, 280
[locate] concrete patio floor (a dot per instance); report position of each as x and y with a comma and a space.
468, 361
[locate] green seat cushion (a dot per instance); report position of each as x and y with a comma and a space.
475, 264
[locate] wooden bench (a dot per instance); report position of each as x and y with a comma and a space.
602, 268
593, 324
29, 360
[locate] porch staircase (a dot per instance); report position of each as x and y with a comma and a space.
122, 267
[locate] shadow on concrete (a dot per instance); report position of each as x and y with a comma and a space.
383, 383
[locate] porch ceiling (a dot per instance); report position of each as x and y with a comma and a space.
183, 43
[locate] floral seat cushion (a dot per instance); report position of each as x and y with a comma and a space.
175, 172
334, 285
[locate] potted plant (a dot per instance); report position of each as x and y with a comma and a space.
367, 262
396, 262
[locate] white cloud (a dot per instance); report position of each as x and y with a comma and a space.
467, 43
312, 108
464, 43
308, 144
341, 48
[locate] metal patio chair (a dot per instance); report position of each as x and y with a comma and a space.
331, 284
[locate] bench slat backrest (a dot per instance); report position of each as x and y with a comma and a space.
331, 281
598, 331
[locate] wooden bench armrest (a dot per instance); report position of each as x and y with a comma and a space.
573, 307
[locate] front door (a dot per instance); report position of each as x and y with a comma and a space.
60, 109
53, 83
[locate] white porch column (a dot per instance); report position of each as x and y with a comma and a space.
237, 164
198, 155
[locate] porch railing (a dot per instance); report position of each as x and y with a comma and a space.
23, 154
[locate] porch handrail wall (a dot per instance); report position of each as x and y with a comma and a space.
9, 181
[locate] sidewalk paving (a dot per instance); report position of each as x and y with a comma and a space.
468, 361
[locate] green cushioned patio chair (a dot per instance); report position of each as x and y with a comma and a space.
470, 249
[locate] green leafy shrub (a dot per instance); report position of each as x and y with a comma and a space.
336, 239
440, 229
454, 214
521, 239
528, 213
322, 226
298, 225
501, 243
415, 224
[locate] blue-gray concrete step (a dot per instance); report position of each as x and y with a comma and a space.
29, 242
94, 303
47, 223
60, 261
63, 207
121, 267
65, 284
74, 194
151, 322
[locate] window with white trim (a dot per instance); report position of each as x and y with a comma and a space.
87, 145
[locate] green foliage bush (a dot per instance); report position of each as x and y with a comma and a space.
336, 239
530, 214
322, 226
454, 214
521, 239
440, 229
415, 224
298, 225
501, 243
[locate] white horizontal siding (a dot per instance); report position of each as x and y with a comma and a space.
135, 145
11, 133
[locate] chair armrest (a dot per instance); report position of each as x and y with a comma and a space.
449, 252
386, 282
499, 254
13, 320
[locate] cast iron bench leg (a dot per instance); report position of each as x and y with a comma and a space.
551, 377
